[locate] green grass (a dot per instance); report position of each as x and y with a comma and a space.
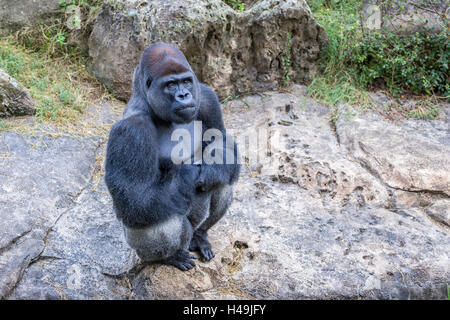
337, 83
332, 91
430, 113
61, 88
3, 125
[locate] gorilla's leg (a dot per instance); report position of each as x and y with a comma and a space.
221, 199
200, 207
166, 242
182, 259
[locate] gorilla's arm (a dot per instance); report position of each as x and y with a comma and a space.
211, 116
140, 195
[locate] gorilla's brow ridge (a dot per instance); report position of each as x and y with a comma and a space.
169, 66
164, 60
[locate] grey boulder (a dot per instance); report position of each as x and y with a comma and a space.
16, 15
15, 100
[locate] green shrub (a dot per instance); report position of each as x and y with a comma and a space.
417, 63
356, 60
237, 5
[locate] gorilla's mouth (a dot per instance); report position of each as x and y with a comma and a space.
184, 107
186, 111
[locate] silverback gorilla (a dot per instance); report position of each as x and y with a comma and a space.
166, 207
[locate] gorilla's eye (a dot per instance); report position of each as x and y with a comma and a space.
149, 82
187, 81
170, 84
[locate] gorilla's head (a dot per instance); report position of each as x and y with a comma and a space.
166, 81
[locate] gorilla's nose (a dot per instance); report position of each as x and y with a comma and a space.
183, 96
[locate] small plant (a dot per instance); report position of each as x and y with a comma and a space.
65, 95
61, 38
426, 110
10, 63
286, 61
47, 109
237, 5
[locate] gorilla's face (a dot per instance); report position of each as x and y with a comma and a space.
177, 97
165, 78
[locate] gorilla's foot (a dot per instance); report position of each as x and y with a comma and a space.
182, 260
201, 244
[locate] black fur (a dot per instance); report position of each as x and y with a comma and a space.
147, 188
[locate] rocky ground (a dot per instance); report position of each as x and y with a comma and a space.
358, 209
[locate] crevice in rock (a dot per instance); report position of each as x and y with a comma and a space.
335, 132
130, 274
21, 272
91, 179
11, 243
392, 203
438, 220
40, 257
422, 191
370, 170
128, 277
375, 174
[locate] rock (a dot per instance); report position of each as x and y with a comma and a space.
40, 180
233, 52
16, 15
14, 98
405, 17
313, 216
439, 211
411, 155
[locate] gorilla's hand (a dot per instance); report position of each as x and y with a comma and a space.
205, 181
188, 175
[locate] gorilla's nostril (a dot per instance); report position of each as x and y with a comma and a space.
184, 95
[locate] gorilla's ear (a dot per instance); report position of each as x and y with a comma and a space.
149, 82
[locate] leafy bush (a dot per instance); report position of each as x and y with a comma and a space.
416, 63
356, 60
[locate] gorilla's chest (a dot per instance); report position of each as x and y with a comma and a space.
180, 142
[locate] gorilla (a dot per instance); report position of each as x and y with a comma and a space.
166, 206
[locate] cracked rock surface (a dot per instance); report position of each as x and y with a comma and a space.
357, 209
